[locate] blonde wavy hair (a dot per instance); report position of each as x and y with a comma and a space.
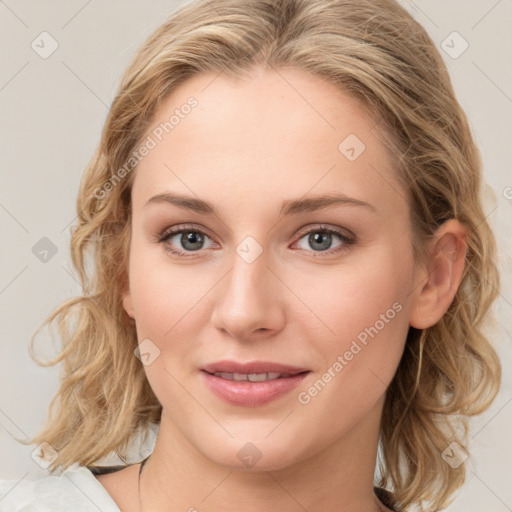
377, 52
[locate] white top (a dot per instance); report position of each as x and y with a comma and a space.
75, 489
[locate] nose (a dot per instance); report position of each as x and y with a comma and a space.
250, 300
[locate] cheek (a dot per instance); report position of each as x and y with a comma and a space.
152, 293
166, 296
353, 295
164, 302
364, 311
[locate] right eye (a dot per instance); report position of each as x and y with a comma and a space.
190, 239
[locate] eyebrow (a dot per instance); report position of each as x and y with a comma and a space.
288, 207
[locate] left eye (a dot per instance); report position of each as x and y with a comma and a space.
321, 240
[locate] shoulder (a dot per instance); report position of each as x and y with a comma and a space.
76, 486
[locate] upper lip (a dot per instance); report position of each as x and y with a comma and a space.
252, 367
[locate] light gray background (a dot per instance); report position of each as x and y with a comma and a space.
52, 112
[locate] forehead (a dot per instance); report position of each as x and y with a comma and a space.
273, 134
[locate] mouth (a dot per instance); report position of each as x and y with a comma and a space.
253, 377
251, 384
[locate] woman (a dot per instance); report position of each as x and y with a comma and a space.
289, 268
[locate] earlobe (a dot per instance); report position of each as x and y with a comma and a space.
127, 297
128, 305
440, 281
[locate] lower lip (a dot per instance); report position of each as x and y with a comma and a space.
250, 394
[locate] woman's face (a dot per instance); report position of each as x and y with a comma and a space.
265, 271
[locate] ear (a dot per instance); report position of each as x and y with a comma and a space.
127, 297
437, 284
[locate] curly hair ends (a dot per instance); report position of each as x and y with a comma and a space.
376, 51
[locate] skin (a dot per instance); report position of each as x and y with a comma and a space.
248, 146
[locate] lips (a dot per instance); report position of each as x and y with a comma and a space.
251, 384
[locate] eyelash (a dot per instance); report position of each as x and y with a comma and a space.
168, 233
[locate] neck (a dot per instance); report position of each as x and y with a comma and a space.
338, 478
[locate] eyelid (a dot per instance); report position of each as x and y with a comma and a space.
326, 227
182, 227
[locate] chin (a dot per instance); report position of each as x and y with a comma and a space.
253, 456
